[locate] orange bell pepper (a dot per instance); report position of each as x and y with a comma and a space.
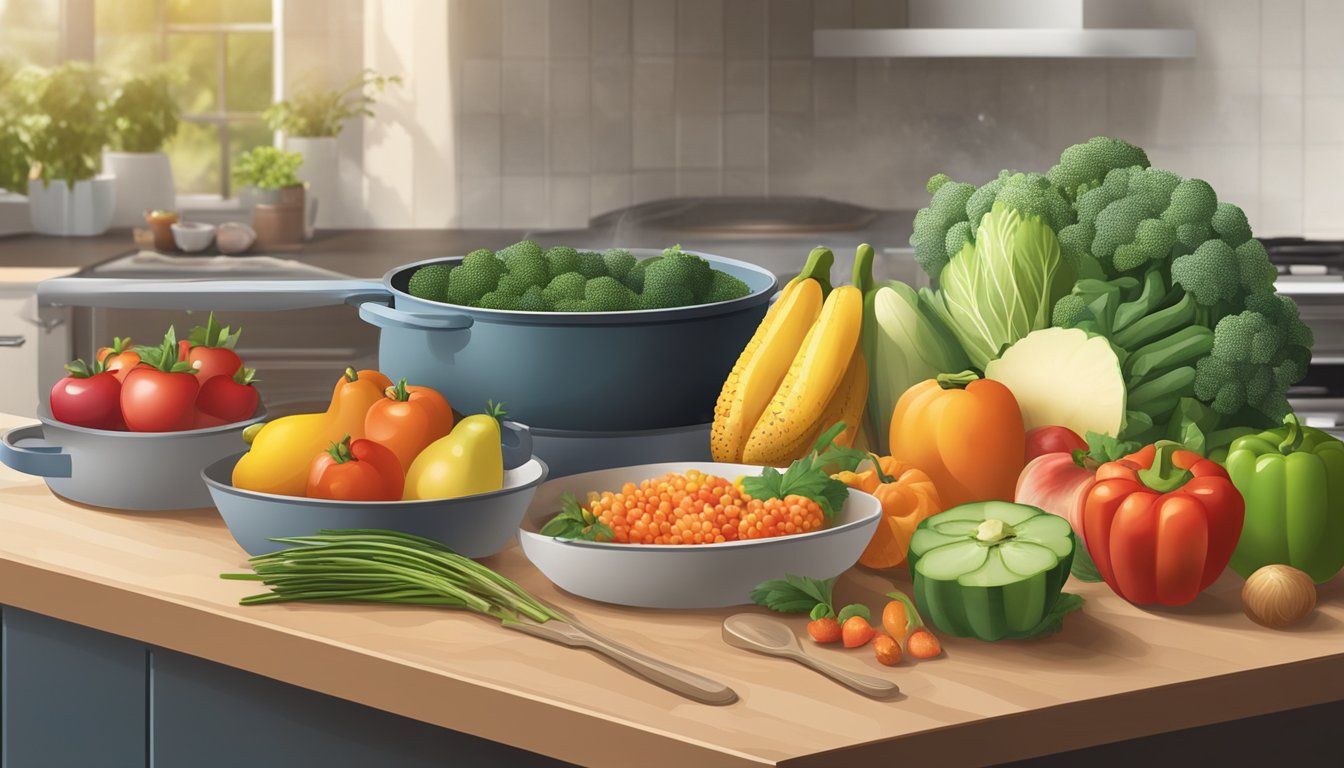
1161, 524
907, 495
407, 419
356, 470
351, 399
964, 432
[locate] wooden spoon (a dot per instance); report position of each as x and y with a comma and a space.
772, 637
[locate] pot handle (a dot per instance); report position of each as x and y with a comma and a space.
221, 295
376, 311
516, 442
39, 460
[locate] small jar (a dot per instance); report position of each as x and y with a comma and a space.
161, 224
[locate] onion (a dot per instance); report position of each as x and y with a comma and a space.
1276, 596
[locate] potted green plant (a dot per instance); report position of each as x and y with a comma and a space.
268, 183
143, 116
63, 124
312, 119
13, 148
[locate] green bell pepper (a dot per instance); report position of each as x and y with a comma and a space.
991, 570
1292, 479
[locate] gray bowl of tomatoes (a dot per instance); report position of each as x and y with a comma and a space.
134, 429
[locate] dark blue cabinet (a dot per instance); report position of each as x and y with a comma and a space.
72, 696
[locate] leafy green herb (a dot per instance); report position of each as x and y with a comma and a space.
164, 357
852, 610
575, 523
804, 477
212, 335
1102, 449
1083, 568
795, 594
1054, 621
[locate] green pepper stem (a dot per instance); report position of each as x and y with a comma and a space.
993, 530
863, 268
957, 380
1295, 435
1164, 476
351, 374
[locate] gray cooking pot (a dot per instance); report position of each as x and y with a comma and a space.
591, 371
122, 470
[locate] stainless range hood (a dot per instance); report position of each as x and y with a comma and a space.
1023, 28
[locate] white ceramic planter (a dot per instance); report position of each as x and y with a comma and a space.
322, 172
55, 209
144, 183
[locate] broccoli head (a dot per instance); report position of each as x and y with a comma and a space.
1221, 278
590, 264
534, 299
430, 282
1190, 213
571, 305
1082, 167
561, 259
525, 248
725, 287
1257, 355
607, 294
634, 279
566, 286
946, 209
477, 275
618, 262
677, 271
498, 300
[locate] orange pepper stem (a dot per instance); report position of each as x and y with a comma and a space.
1164, 476
399, 392
957, 380
351, 374
340, 451
1295, 435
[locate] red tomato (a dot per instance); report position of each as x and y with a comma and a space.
1043, 440
87, 398
356, 470
230, 398
209, 362
157, 401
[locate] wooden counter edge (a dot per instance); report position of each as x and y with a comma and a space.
402, 688
1108, 719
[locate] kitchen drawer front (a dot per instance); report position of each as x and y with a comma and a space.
72, 696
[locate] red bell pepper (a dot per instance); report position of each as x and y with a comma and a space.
1161, 524
356, 470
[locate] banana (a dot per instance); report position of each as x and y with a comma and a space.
847, 405
760, 368
812, 381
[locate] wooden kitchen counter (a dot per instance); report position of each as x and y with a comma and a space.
1115, 672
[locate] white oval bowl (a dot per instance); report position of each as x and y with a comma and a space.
686, 575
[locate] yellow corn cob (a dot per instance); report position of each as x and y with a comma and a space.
761, 367
814, 377
847, 405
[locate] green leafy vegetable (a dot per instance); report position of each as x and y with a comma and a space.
805, 477
574, 522
1083, 567
795, 594
852, 610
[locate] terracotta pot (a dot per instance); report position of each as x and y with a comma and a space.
278, 225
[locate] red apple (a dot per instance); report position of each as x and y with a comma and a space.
1043, 440
1057, 484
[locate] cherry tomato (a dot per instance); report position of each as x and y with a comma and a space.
356, 470
229, 398
88, 397
119, 358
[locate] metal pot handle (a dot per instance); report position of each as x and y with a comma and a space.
516, 442
376, 311
221, 295
39, 460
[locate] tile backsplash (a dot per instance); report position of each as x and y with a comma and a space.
564, 109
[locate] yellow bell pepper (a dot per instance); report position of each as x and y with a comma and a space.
466, 461
283, 450
907, 496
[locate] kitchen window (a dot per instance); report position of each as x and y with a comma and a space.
226, 54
